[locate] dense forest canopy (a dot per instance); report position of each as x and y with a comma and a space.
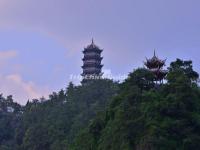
105, 115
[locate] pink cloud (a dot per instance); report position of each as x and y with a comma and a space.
22, 90
4, 55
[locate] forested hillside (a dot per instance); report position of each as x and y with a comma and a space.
145, 116
137, 114
52, 124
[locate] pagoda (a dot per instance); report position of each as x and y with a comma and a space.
155, 65
92, 62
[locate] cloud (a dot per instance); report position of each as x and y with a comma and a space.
13, 84
22, 90
107, 73
5, 55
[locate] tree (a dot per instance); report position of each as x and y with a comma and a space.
142, 117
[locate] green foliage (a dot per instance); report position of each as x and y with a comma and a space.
10, 113
148, 117
180, 67
52, 124
102, 115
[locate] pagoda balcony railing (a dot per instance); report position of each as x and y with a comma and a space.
86, 73
92, 65
92, 54
91, 69
92, 57
97, 74
92, 62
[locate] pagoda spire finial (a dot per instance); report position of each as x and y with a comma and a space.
92, 41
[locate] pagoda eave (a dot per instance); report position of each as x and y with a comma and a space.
92, 50
92, 57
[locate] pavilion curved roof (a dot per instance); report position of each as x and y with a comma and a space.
154, 62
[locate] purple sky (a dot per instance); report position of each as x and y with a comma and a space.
41, 40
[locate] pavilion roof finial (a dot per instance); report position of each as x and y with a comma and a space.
92, 41
154, 53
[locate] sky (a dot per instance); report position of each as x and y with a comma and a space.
41, 41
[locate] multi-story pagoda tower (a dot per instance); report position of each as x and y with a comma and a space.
92, 62
155, 65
